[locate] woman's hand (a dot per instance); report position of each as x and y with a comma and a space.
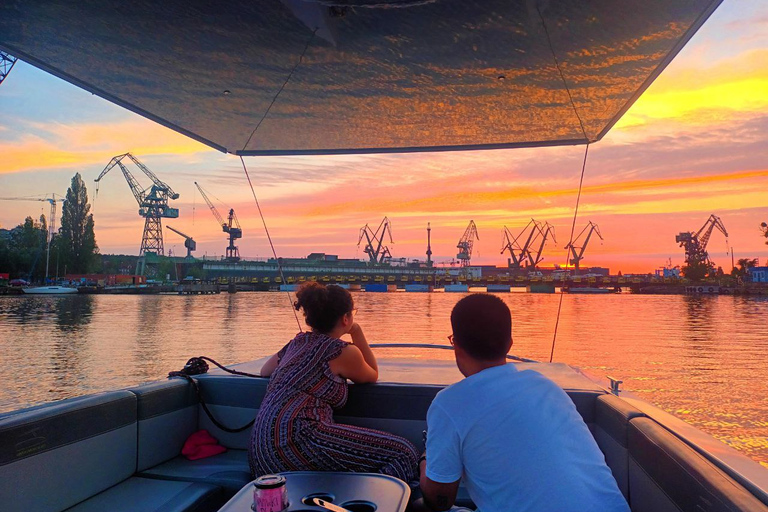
355, 331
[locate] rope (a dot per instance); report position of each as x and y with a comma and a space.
198, 366
250, 184
573, 229
562, 76
583, 168
269, 238
301, 57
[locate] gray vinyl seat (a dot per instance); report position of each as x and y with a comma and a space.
81, 454
667, 475
612, 417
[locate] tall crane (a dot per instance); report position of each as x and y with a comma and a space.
153, 202
51, 222
520, 254
231, 227
374, 247
577, 252
534, 258
466, 243
696, 243
189, 242
6, 64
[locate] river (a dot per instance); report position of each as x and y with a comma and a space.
704, 359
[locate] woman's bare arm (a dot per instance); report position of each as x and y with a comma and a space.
351, 365
269, 366
358, 339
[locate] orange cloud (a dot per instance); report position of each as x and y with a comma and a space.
53, 146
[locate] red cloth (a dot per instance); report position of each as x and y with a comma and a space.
200, 445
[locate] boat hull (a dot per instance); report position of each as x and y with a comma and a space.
50, 290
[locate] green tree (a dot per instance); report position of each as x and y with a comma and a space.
744, 265
76, 243
697, 270
22, 254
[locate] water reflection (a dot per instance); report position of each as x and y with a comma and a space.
74, 312
701, 358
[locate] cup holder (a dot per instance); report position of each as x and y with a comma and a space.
307, 500
359, 506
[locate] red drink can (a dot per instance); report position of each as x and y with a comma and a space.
269, 494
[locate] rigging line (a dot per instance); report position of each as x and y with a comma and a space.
250, 184
562, 76
301, 57
269, 238
570, 241
583, 167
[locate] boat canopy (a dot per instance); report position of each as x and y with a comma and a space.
360, 76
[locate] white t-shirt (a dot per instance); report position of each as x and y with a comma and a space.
519, 444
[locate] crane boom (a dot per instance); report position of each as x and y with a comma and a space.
153, 202
577, 253
467, 243
696, 243
211, 206
520, 254
381, 252
189, 242
231, 226
709, 226
152, 176
545, 232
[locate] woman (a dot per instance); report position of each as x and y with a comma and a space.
294, 429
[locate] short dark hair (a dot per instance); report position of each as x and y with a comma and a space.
323, 305
482, 326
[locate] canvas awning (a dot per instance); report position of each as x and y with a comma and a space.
376, 75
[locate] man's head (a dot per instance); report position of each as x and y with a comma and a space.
482, 331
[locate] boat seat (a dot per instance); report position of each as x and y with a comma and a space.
72, 449
167, 415
612, 416
150, 495
228, 470
585, 404
81, 454
667, 475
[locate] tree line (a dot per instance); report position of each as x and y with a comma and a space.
73, 248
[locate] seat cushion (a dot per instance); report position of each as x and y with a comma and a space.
665, 474
612, 416
167, 415
228, 470
154, 495
59, 454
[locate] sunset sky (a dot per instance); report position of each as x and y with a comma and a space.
695, 143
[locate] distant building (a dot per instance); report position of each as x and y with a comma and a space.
668, 272
757, 274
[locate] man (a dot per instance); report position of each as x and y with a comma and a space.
514, 437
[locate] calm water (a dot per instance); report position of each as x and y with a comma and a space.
700, 358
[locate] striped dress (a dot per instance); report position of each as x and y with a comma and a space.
294, 429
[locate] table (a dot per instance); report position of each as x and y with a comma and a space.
357, 492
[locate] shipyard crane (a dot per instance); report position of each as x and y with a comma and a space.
153, 202
519, 255
466, 243
577, 252
6, 64
231, 227
51, 221
374, 247
544, 230
696, 243
189, 242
